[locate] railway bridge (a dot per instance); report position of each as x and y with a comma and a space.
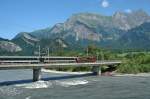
37, 63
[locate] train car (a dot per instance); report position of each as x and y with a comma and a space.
86, 59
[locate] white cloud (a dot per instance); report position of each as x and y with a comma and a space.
128, 11
105, 4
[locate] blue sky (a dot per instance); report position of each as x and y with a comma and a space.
28, 15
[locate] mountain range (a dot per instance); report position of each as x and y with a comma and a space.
119, 31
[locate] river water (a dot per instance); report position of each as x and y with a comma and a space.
16, 84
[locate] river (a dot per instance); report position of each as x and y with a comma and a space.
16, 84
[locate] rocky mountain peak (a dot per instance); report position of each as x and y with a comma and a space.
93, 26
140, 12
25, 35
8, 46
119, 14
126, 21
57, 28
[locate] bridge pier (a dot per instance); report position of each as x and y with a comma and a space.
96, 70
111, 68
36, 74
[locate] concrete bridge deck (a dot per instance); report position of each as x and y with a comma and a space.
50, 65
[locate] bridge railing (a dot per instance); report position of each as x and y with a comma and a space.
35, 59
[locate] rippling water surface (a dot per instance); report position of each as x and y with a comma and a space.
67, 86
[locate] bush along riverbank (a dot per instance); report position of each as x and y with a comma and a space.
135, 63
